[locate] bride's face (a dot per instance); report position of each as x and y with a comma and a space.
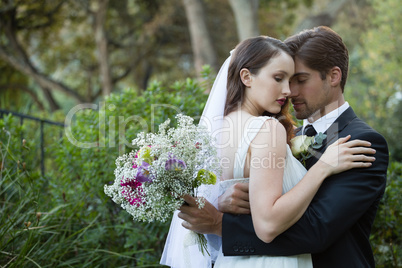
268, 89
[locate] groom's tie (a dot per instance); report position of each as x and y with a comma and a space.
309, 130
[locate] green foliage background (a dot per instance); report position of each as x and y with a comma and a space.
73, 223
77, 224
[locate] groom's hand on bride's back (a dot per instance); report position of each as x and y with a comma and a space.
235, 199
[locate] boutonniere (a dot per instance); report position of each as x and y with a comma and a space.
303, 146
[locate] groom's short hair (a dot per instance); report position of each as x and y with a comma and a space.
320, 49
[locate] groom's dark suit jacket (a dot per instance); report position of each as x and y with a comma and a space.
336, 226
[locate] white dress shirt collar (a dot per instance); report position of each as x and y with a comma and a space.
323, 123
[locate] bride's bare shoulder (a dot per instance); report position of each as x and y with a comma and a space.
272, 133
237, 118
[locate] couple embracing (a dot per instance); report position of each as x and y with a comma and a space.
270, 210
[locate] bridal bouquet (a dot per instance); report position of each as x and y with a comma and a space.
150, 181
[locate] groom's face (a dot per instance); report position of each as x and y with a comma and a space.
309, 92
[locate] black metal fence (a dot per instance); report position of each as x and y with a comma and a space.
42, 124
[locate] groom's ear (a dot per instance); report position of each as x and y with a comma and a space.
245, 77
335, 76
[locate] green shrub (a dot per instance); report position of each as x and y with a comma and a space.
386, 236
84, 171
64, 219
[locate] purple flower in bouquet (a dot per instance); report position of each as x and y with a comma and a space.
175, 164
143, 174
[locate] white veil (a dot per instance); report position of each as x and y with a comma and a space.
212, 116
180, 250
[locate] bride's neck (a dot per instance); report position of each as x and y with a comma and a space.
250, 109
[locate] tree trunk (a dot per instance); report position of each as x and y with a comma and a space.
246, 15
201, 41
102, 47
325, 17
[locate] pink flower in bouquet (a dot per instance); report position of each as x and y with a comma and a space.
135, 157
132, 191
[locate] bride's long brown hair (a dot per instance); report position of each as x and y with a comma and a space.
253, 54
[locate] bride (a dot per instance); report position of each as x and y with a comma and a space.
247, 112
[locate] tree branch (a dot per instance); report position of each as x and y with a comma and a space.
16, 56
326, 17
27, 90
50, 99
44, 81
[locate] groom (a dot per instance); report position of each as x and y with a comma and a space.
336, 226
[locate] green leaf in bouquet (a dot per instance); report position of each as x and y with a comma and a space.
205, 177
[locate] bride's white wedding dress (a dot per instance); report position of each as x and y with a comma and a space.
293, 173
180, 249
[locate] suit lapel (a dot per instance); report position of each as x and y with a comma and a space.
333, 134
340, 123
297, 131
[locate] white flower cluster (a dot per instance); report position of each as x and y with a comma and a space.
150, 182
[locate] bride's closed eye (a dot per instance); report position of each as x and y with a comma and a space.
278, 78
